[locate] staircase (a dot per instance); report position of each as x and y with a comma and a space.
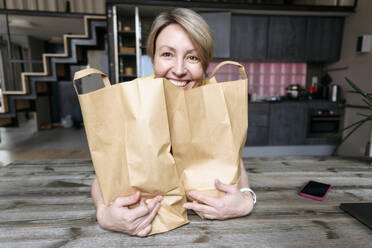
75, 48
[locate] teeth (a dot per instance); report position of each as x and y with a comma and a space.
178, 83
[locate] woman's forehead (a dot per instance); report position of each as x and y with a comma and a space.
174, 35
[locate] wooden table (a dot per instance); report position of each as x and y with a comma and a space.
48, 204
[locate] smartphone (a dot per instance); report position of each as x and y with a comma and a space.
315, 190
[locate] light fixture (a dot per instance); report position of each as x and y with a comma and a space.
21, 23
364, 43
56, 40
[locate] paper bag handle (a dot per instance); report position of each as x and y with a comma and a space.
86, 72
228, 62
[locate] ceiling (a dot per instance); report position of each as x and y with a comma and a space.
48, 27
73, 6
41, 27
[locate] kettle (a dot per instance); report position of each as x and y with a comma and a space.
335, 93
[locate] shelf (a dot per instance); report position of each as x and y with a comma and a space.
127, 32
127, 77
127, 54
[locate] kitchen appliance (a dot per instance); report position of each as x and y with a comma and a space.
323, 88
324, 122
334, 93
293, 91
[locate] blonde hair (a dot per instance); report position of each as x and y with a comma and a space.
194, 25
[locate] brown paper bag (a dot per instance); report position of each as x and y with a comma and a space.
128, 135
208, 130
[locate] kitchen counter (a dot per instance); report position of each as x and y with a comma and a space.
311, 102
287, 122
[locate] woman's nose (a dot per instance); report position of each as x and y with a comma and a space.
179, 67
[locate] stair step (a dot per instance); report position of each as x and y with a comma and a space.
23, 104
37, 82
5, 122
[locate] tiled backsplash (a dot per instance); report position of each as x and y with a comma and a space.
265, 79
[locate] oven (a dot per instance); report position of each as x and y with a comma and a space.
324, 122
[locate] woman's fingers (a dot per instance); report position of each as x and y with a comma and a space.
204, 209
139, 211
133, 221
127, 201
225, 187
148, 219
209, 216
211, 201
144, 209
143, 224
152, 202
144, 232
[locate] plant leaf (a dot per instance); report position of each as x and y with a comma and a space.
356, 92
369, 117
366, 102
351, 125
352, 131
360, 91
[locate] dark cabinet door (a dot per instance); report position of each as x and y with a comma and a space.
288, 123
258, 124
287, 38
249, 37
324, 38
220, 24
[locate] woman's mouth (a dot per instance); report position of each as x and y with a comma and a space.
179, 83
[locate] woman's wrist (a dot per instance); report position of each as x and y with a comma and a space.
100, 214
249, 191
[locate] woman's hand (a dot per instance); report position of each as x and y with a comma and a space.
136, 221
233, 204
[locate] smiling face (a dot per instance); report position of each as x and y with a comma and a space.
176, 58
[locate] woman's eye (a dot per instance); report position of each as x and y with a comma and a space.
193, 58
166, 54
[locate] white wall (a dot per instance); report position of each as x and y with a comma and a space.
99, 60
357, 67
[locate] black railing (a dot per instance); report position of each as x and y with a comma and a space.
11, 60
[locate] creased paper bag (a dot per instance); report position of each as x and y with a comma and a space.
129, 141
208, 131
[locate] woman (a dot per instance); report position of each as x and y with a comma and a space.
180, 45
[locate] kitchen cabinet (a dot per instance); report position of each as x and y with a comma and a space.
285, 123
249, 37
287, 38
220, 24
258, 124
288, 123
324, 36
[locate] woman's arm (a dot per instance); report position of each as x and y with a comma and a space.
233, 204
118, 217
244, 182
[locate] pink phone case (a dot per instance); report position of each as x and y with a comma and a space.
313, 196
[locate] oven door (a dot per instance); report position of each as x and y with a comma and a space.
324, 126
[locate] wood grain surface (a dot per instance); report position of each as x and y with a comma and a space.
47, 204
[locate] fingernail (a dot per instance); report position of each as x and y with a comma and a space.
186, 205
191, 193
159, 197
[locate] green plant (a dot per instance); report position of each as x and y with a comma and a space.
367, 98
